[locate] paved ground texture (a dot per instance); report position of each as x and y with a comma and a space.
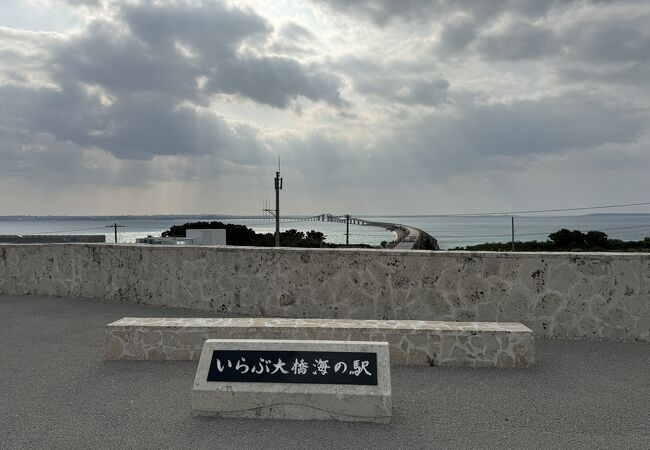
56, 391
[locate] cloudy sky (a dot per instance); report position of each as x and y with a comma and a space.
374, 106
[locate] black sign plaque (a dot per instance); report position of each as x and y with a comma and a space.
312, 367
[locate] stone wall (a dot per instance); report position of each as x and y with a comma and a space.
579, 295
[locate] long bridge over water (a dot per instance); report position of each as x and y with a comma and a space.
325, 217
407, 237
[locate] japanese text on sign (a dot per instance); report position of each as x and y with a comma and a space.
293, 367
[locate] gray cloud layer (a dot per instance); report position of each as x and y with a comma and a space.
121, 84
191, 90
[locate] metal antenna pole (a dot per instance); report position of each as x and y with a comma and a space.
276, 212
513, 233
347, 230
278, 187
115, 226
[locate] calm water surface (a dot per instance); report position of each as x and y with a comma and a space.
451, 231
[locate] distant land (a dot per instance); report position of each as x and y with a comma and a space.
127, 216
242, 216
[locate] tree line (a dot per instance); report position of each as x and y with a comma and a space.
242, 235
566, 240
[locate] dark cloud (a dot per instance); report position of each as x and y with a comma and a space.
403, 90
214, 34
42, 160
120, 63
518, 40
488, 9
634, 75
383, 12
276, 81
84, 2
484, 139
607, 41
533, 127
211, 29
501, 137
587, 42
168, 48
143, 127
595, 38
423, 92
457, 34
594, 31
138, 127
610, 48
129, 85
401, 84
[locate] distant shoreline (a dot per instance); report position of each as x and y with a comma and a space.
253, 217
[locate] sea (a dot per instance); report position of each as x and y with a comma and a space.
450, 231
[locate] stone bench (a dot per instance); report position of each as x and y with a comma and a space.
412, 342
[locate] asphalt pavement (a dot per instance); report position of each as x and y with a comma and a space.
56, 391
407, 242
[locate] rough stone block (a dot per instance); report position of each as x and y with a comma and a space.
293, 400
411, 342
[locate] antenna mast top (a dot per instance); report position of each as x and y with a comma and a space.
276, 213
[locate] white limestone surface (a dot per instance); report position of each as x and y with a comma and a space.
411, 342
294, 401
563, 295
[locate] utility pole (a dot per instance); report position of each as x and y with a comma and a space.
347, 230
276, 213
115, 226
513, 232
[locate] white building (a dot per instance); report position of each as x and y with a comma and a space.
157, 240
193, 237
207, 236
